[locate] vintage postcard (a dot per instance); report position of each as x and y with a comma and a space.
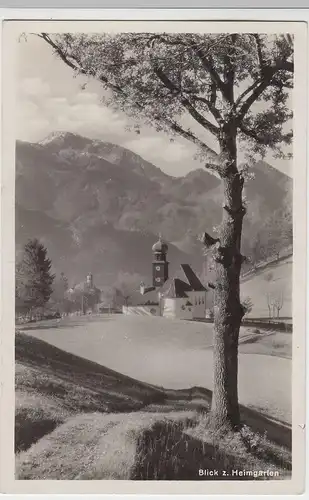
154, 256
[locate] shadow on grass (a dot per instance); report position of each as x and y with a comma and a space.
79, 385
44, 327
165, 452
277, 432
145, 446
59, 373
29, 431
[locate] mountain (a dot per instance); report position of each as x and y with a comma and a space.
99, 207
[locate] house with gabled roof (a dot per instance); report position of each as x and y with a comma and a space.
182, 296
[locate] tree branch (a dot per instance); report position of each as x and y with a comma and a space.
285, 65
209, 67
261, 84
254, 135
229, 70
208, 241
76, 66
210, 105
259, 51
185, 102
60, 52
246, 92
214, 160
258, 90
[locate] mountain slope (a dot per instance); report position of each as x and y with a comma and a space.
269, 283
99, 205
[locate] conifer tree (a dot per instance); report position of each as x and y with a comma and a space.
33, 277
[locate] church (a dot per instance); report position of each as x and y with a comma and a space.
182, 296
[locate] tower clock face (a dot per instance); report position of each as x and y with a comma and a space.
160, 273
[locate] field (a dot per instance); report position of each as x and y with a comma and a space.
175, 354
88, 387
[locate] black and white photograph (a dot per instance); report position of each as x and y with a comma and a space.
154, 231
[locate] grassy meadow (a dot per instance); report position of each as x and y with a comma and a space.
78, 417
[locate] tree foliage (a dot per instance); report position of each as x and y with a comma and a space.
33, 286
59, 296
159, 78
125, 286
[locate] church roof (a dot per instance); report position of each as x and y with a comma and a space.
192, 279
175, 288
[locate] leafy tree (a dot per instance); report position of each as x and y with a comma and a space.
247, 305
120, 294
230, 90
126, 284
111, 297
34, 279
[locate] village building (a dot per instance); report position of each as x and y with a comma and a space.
183, 296
85, 296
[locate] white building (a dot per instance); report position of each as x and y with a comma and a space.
182, 296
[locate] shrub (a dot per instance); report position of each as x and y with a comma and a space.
247, 305
251, 439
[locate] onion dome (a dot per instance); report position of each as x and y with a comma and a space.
160, 246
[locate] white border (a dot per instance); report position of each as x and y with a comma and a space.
299, 278
169, 14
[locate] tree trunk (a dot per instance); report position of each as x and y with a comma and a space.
227, 307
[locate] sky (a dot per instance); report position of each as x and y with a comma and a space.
50, 98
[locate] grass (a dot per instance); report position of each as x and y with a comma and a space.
52, 385
79, 384
76, 419
144, 446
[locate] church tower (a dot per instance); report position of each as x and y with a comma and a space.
89, 280
159, 263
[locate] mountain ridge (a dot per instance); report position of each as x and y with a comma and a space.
81, 195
